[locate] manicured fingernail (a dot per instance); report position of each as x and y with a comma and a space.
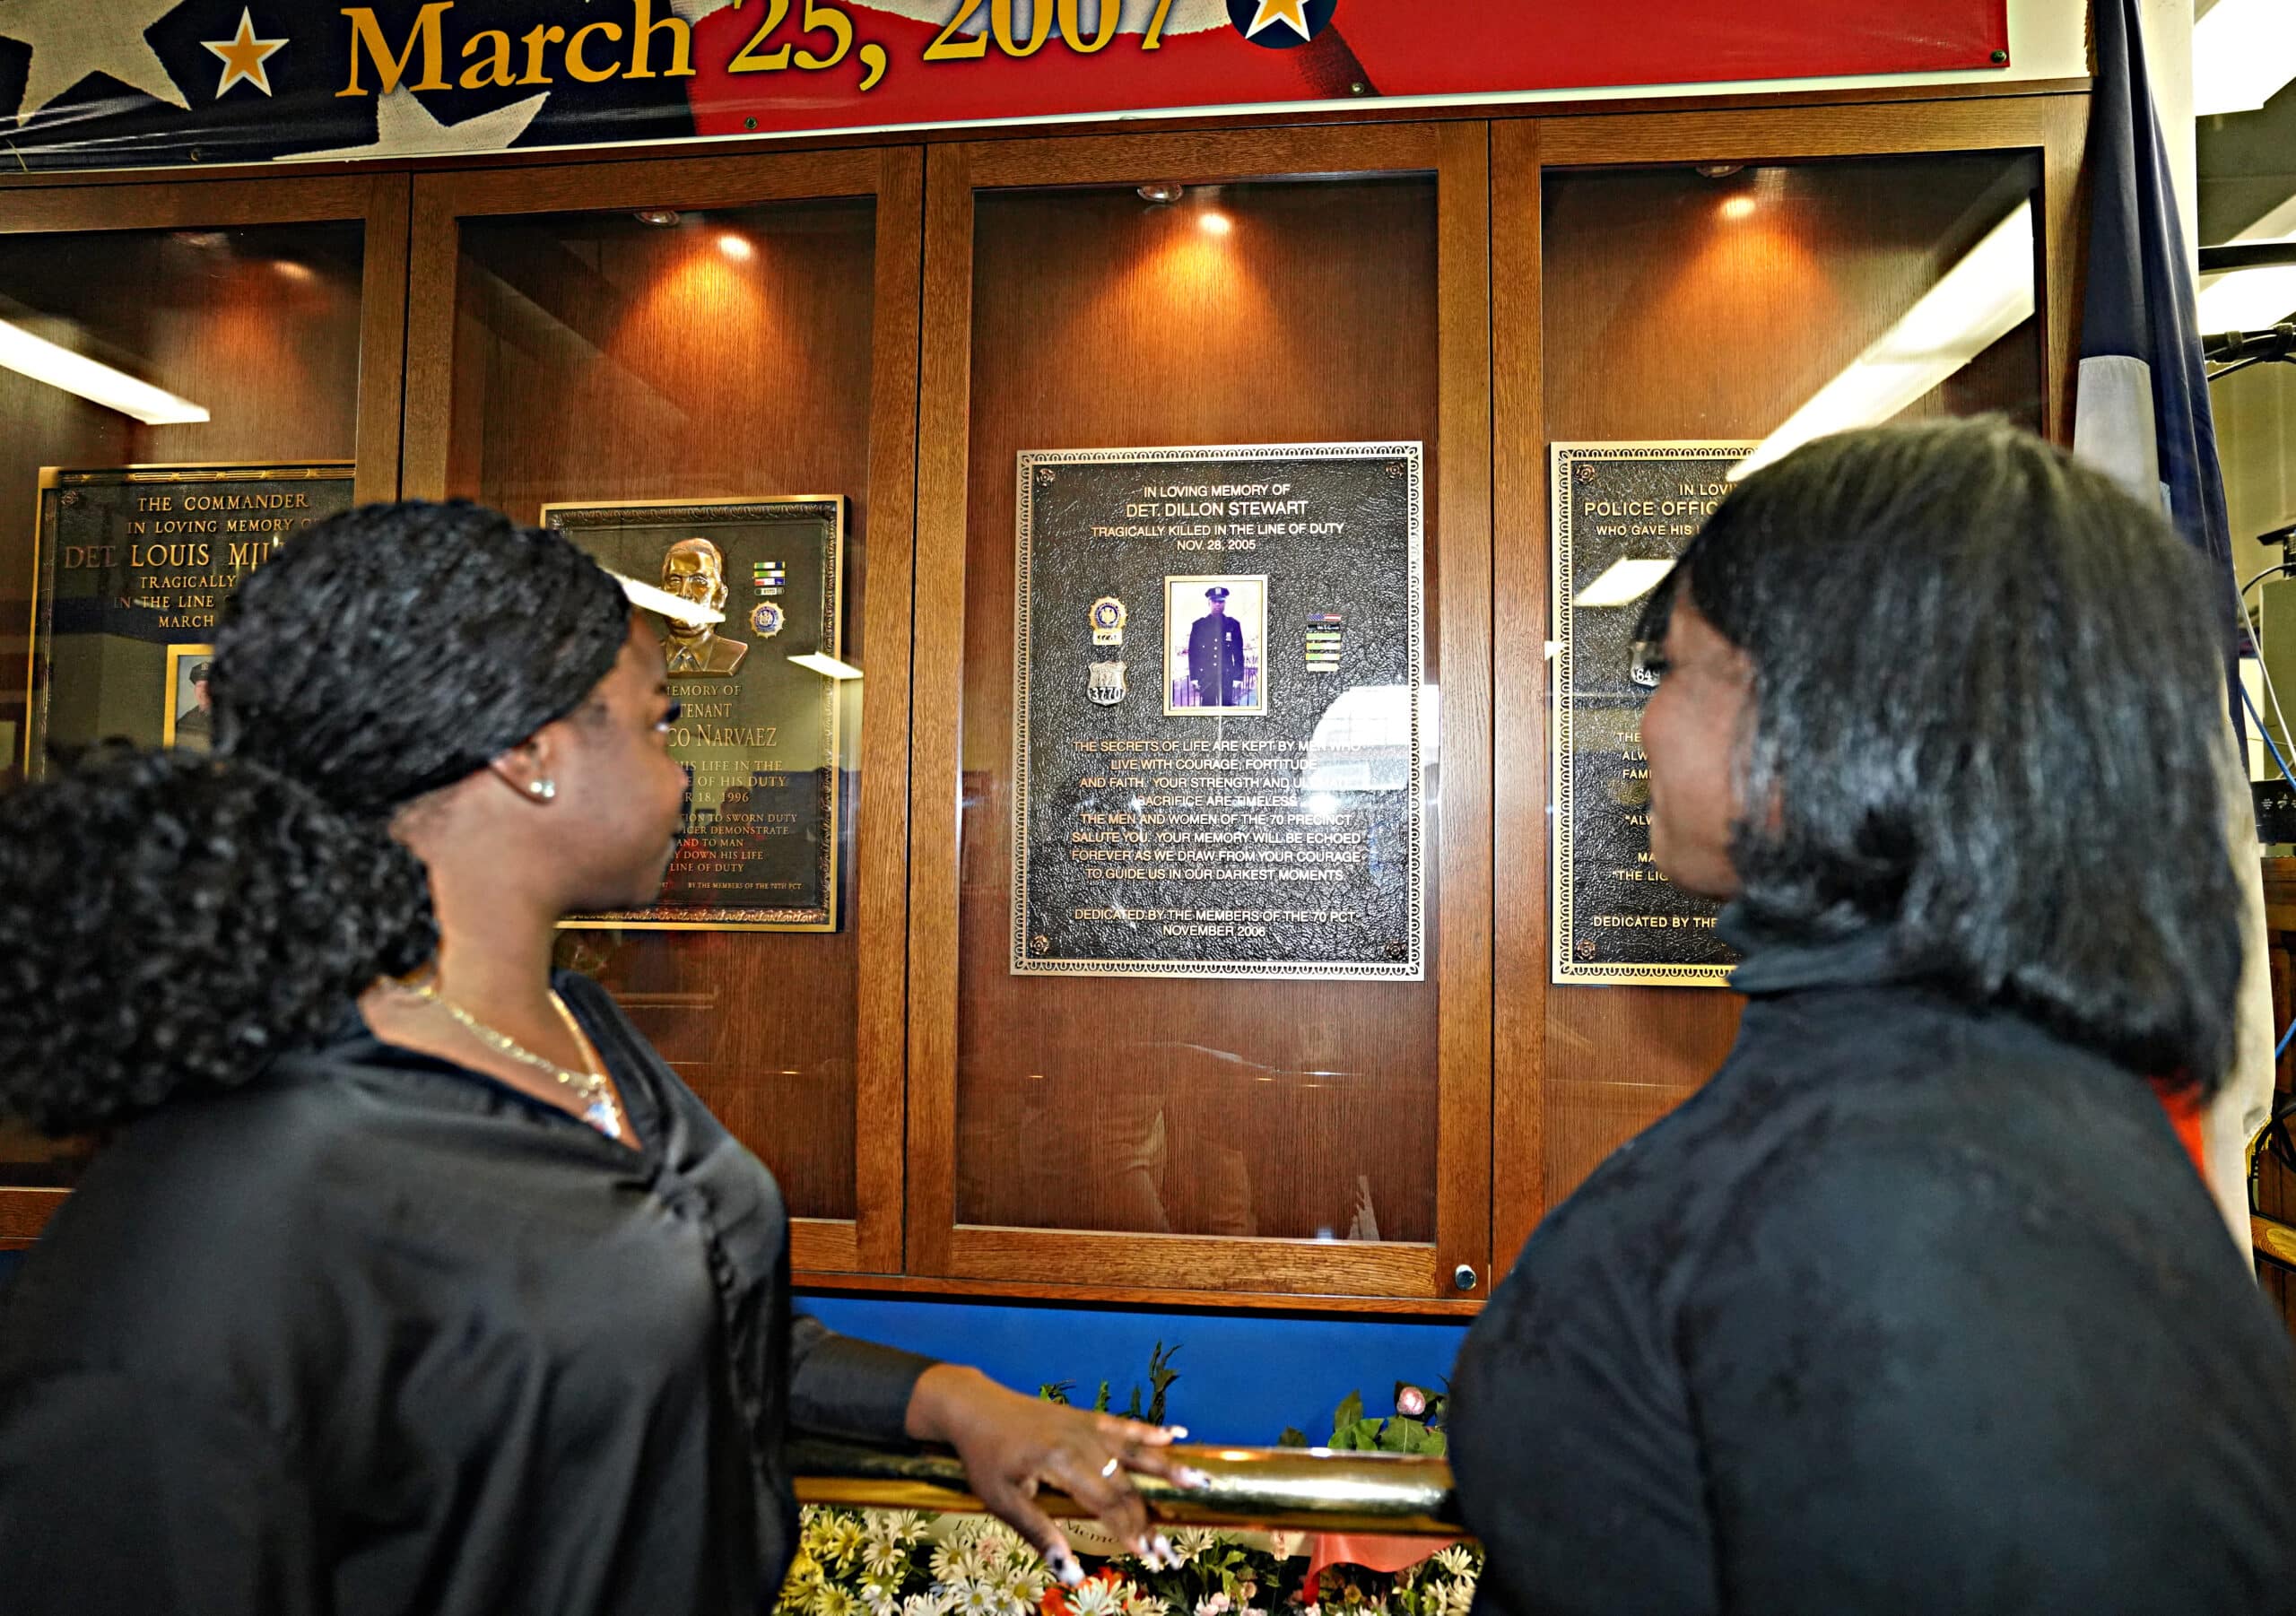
1164, 1552
1195, 1478
1065, 1567
1177, 1433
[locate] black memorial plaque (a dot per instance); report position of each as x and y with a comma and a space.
133, 564
1616, 919
763, 695
1217, 736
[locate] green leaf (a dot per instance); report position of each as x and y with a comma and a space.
1100, 1403
1404, 1435
1366, 1435
1293, 1437
1351, 1410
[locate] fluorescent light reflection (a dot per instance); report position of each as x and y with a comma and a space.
1623, 582
647, 597
1981, 300
829, 667
2243, 51
98, 383
2248, 299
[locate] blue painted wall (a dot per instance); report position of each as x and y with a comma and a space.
1243, 1377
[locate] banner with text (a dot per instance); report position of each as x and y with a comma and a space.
128, 83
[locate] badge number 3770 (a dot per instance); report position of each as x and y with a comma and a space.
949, 46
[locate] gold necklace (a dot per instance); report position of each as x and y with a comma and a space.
598, 1107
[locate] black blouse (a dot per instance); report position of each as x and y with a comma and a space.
376, 1333
1911, 1308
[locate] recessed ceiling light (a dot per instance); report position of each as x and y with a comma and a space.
1163, 191
656, 216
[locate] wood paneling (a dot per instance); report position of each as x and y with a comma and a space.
1229, 1123
1521, 625
765, 345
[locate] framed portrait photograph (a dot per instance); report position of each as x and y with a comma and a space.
1215, 645
186, 720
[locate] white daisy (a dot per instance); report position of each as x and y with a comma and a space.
1455, 1560
1098, 1597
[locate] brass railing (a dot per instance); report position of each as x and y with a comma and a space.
1303, 1489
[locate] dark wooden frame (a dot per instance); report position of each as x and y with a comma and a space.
893, 176
2054, 125
378, 201
1492, 498
1161, 1266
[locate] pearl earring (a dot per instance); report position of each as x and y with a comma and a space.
544, 790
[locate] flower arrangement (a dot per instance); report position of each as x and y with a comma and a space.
884, 1562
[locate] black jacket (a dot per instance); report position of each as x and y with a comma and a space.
1911, 1308
378, 1334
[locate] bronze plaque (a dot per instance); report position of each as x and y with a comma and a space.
763, 694
134, 563
1621, 513
1217, 727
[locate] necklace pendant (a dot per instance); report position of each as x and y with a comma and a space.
600, 1116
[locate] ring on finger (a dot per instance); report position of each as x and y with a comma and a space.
1111, 1467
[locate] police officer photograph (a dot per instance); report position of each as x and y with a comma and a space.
189, 721
1215, 630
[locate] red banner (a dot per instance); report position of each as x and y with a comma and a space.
111, 83
1251, 52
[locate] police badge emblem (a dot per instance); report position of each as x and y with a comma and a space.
1108, 621
766, 619
1106, 685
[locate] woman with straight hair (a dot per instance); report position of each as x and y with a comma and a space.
1917, 1305
410, 1279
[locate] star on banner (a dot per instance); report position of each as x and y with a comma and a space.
404, 127
243, 55
72, 39
1292, 13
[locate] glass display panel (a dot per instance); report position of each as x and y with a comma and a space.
706, 369
144, 349
1299, 314
1759, 304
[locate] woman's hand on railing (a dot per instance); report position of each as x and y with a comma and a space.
1012, 1446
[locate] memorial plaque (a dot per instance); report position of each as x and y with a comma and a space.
762, 696
1622, 512
1217, 721
134, 563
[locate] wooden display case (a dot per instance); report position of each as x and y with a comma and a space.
1633, 301
1157, 1135
894, 322
753, 334
275, 305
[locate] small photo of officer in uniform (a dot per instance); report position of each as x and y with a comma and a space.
191, 723
1213, 656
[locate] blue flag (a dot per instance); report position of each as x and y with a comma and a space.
2143, 415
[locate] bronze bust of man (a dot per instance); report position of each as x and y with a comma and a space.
695, 570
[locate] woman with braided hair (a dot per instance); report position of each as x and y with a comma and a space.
409, 1277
